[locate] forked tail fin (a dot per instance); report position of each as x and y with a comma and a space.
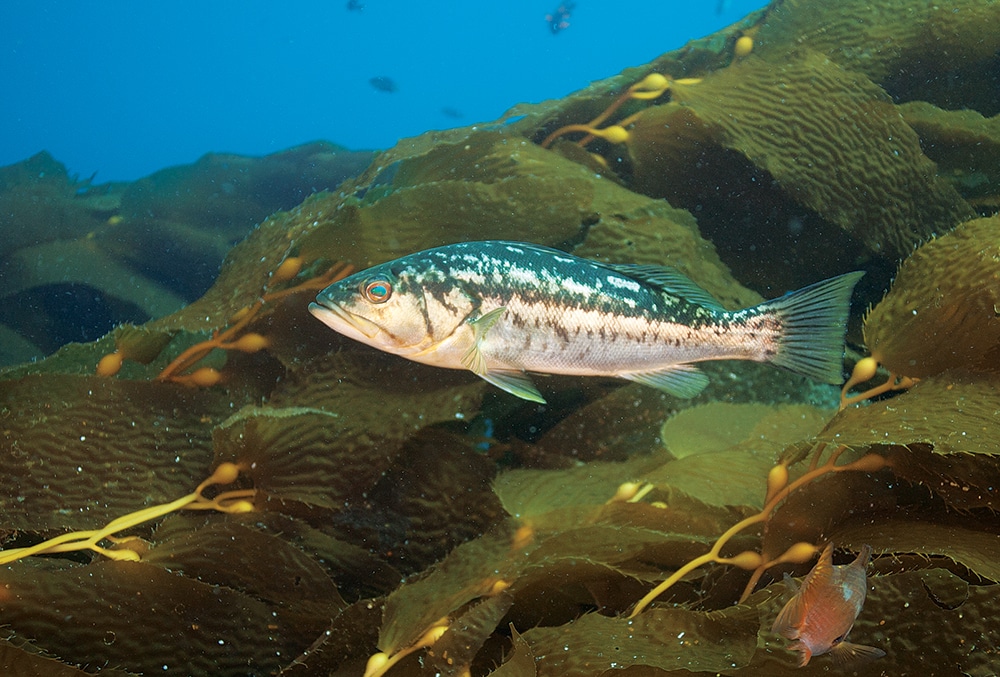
814, 321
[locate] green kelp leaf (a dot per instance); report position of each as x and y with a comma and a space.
720, 426
435, 496
469, 572
343, 648
385, 393
964, 481
356, 571
141, 617
20, 658
954, 412
79, 451
454, 652
328, 434
229, 551
819, 131
941, 312
662, 638
303, 454
964, 144
524, 208
520, 661
140, 344
888, 40
940, 434
976, 549
556, 565
723, 478
530, 493
726, 450
621, 425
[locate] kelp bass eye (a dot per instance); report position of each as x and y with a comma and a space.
377, 290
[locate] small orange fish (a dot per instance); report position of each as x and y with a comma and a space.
824, 609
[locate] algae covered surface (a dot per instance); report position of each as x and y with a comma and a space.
223, 486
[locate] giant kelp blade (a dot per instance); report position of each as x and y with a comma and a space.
239, 554
326, 437
941, 311
893, 42
145, 619
809, 107
755, 426
965, 145
468, 573
557, 564
670, 639
79, 451
455, 651
940, 435
21, 659
434, 497
954, 413
952, 536
520, 661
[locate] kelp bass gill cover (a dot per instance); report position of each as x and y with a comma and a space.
501, 309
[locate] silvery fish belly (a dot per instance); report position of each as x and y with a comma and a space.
502, 309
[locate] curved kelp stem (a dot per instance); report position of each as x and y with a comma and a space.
651, 87
232, 337
237, 501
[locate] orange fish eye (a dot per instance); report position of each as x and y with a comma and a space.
377, 290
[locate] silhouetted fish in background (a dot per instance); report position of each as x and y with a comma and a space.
355, 6
500, 309
825, 607
722, 6
452, 113
559, 19
384, 84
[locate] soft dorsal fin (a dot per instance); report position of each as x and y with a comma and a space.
669, 280
822, 572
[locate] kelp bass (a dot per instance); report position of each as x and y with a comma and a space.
502, 309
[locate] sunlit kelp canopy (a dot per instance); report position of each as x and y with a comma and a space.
234, 489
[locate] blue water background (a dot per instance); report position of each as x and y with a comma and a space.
126, 88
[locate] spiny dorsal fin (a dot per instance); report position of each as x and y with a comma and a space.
669, 280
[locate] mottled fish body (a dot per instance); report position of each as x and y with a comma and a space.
501, 309
823, 609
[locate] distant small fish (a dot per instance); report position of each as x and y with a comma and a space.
384, 84
355, 6
559, 19
823, 610
722, 7
452, 113
500, 309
